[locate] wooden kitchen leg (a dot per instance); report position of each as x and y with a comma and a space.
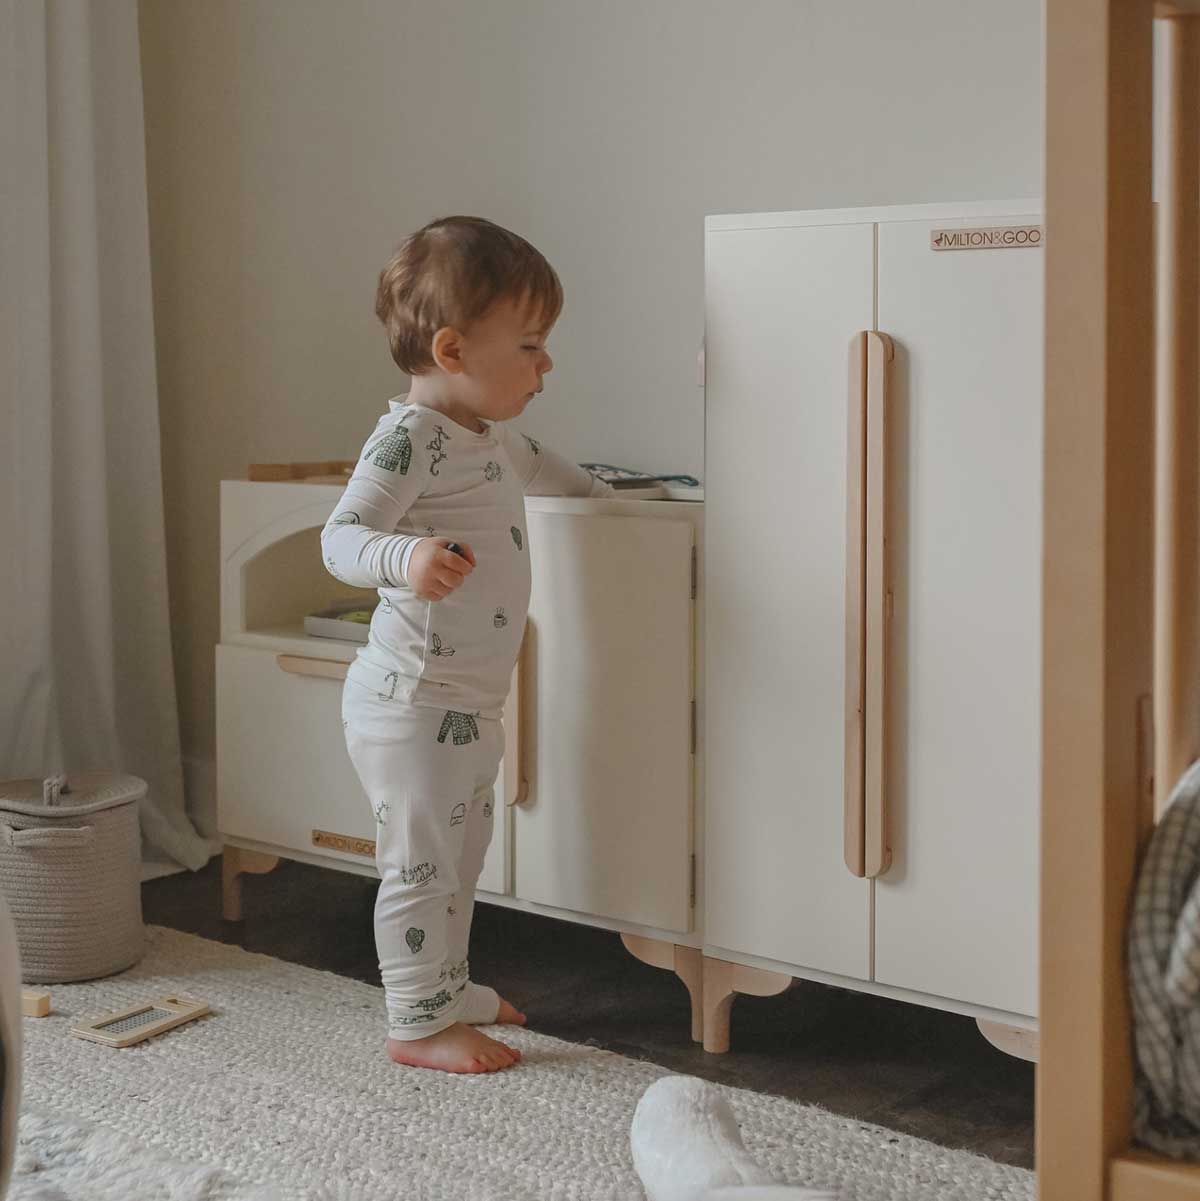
722, 982
1012, 1040
685, 962
689, 967
234, 862
718, 1001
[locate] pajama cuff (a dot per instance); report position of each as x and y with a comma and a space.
406, 554
410, 1034
479, 1006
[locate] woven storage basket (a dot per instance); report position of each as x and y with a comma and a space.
70, 868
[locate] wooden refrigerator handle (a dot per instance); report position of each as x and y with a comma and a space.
876, 832
516, 784
866, 835
856, 531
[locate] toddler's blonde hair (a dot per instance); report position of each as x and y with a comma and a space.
451, 272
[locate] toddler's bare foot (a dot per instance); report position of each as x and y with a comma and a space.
509, 1015
458, 1048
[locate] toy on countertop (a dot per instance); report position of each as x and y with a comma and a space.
627, 477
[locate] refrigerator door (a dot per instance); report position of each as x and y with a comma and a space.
956, 914
782, 306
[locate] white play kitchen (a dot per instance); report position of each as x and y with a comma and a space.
801, 738
597, 777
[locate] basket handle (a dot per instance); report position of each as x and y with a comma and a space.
53, 787
50, 837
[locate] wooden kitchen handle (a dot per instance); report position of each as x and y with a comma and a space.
876, 833
856, 501
516, 784
303, 665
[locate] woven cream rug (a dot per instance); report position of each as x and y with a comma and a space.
284, 1093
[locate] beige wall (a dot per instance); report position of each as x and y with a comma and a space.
291, 143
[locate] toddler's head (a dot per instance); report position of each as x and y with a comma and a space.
468, 307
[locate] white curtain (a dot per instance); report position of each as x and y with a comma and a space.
86, 677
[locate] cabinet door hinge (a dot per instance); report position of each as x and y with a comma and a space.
692, 895
693, 722
693, 573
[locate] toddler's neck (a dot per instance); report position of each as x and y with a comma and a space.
427, 390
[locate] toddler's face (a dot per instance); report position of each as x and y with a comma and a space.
504, 359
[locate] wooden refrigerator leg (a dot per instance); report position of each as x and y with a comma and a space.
689, 967
685, 962
234, 862
1012, 1040
722, 982
718, 1001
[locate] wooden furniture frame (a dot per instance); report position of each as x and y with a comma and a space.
1104, 626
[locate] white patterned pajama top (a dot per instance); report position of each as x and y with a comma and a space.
423, 475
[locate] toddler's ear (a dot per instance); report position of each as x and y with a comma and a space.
447, 350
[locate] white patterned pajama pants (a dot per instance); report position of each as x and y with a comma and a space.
429, 776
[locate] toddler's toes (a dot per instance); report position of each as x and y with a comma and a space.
509, 1015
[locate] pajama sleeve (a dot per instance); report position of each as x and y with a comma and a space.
359, 542
547, 473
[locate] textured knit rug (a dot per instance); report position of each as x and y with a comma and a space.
283, 1093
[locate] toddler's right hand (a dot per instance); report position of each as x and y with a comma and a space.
434, 572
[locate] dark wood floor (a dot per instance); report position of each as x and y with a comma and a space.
916, 1070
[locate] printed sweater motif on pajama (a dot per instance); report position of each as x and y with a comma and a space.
420, 475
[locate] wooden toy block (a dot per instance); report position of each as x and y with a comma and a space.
34, 1004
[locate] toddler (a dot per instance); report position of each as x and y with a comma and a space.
467, 307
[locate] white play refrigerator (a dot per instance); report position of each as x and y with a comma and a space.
873, 590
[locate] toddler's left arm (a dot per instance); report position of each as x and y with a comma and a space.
547, 473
